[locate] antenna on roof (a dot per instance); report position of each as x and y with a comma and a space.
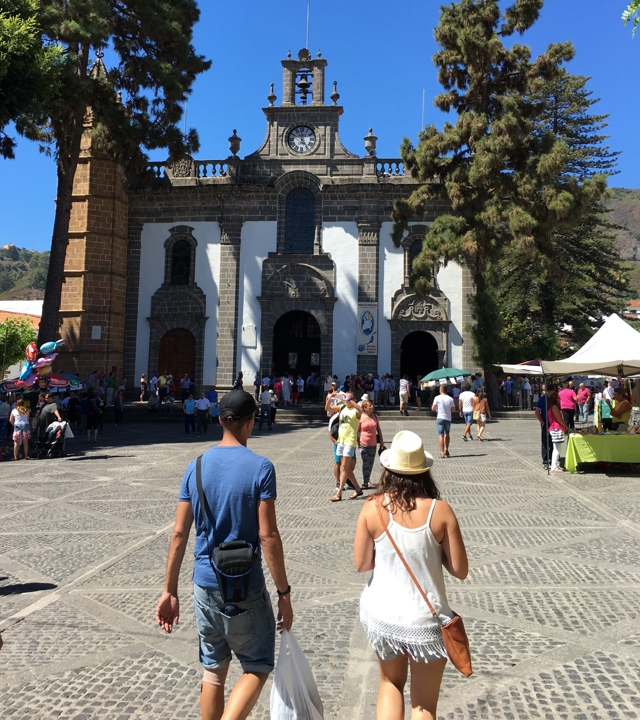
308, 13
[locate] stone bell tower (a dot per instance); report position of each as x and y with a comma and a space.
92, 307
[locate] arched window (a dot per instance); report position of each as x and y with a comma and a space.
180, 262
300, 223
414, 250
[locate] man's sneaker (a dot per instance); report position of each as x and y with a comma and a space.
465, 438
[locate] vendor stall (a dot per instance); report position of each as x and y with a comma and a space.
601, 448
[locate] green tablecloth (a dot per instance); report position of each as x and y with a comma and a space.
607, 448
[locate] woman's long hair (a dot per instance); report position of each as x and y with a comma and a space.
20, 406
552, 398
403, 490
480, 394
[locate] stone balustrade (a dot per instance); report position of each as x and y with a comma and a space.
211, 168
389, 168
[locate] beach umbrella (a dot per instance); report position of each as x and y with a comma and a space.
448, 373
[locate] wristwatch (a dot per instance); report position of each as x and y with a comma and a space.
286, 592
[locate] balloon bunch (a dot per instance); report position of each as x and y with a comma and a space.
34, 367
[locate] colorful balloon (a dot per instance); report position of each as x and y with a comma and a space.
31, 352
59, 343
26, 370
44, 370
44, 361
48, 347
31, 380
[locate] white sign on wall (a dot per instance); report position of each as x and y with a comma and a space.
367, 332
249, 336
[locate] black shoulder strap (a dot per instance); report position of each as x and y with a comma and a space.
203, 508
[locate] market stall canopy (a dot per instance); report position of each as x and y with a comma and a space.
613, 350
447, 373
524, 369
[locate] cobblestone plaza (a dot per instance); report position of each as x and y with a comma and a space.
550, 604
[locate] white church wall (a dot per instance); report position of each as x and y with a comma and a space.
258, 240
449, 280
390, 279
207, 276
340, 240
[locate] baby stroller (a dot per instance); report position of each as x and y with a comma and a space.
52, 443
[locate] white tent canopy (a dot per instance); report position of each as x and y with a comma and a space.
521, 369
613, 350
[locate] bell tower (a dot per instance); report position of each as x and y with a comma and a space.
303, 80
303, 130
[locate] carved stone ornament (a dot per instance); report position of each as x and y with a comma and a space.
295, 282
181, 167
290, 287
420, 310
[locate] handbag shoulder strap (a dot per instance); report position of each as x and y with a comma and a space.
201, 497
404, 562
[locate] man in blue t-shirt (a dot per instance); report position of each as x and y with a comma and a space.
239, 488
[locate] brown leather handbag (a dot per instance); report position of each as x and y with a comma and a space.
454, 635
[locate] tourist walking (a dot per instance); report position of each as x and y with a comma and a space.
481, 411
238, 491
203, 408
239, 383
443, 405
405, 389
189, 409
19, 418
557, 428
397, 621
265, 406
348, 423
465, 406
568, 401
369, 435
545, 438
144, 386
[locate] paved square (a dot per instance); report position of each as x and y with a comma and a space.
550, 604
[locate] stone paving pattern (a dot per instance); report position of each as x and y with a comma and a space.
550, 604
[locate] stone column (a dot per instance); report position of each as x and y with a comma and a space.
468, 289
131, 306
227, 344
368, 256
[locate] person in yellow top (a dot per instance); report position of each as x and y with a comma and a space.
620, 410
348, 424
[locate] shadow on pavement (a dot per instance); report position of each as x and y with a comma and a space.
21, 588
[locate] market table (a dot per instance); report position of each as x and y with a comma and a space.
601, 448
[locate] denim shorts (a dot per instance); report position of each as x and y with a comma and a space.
444, 426
345, 450
468, 417
251, 634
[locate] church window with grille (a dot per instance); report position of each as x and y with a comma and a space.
299, 222
180, 262
414, 250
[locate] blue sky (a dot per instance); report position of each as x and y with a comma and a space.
380, 53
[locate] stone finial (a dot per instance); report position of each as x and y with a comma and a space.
304, 55
335, 96
271, 97
234, 143
319, 54
370, 143
289, 55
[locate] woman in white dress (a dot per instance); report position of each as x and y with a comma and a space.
396, 619
286, 391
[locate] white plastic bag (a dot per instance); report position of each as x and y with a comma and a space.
294, 694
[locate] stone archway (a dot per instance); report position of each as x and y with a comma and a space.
177, 354
297, 344
418, 354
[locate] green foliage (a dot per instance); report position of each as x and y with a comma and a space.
23, 273
506, 183
632, 15
29, 66
582, 277
18, 334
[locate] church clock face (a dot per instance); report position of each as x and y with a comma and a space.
301, 139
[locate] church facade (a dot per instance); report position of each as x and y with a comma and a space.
278, 262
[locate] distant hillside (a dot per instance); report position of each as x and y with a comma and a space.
625, 210
23, 273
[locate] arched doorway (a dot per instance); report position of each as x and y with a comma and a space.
296, 344
177, 355
418, 354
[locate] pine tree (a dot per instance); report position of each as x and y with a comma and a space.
632, 15
29, 68
136, 105
505, 183
583, 277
